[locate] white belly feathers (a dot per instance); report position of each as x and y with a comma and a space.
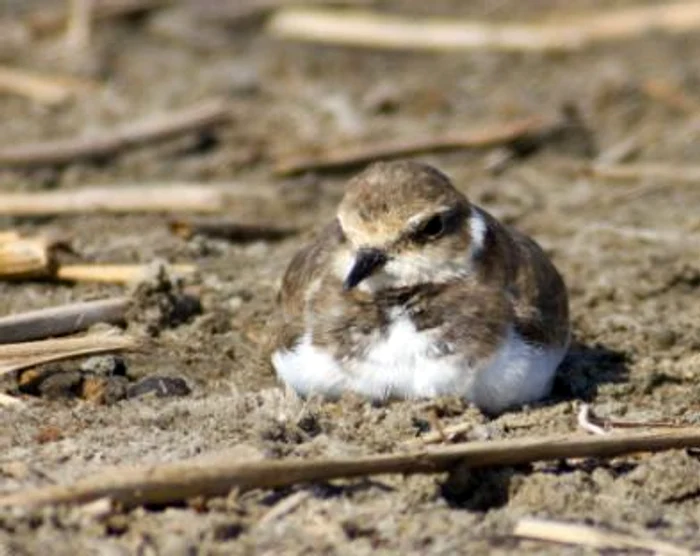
407, 363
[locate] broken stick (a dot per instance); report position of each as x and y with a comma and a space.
585, 535
657, 171
589, 421
384, 31
45, 89
61, 320
16, 357
79, 28
113, 273
115, 199
507, 133
25, 257
64, 151
176, 482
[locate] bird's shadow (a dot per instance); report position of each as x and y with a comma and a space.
585, 368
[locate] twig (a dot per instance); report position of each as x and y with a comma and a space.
375, 30
113, 273
434, 420
584, 421
287, 505
227, 229
500, 134
64, 151
25, 258
584, 535
620, 152
629, 172
115, 199
79, 27
618, 424
61, 320
447, 434
46, 89
15, 357
589, 421
175, 482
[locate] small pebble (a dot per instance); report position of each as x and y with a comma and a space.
60, 384
104, 365
160, 387
104, 389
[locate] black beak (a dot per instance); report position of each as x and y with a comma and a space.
366, 262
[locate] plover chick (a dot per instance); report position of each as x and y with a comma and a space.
414, 292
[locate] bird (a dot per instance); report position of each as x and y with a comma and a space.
413, 292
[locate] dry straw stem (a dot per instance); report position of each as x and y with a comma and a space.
19, 356
495, 135
108, 143
584, 535
62, 320
446, 434
45, 89
175, 482
376, 30
656, 171
22, 258
25, 257
587, 421
162, 198
592, 423
114, 273
79, 28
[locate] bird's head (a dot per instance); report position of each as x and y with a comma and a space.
405, 224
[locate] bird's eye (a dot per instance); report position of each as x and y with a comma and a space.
432, 229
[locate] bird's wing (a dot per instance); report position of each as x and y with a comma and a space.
309, 264
541, 306
536, 291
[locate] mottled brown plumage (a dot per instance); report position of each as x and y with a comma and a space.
452, 269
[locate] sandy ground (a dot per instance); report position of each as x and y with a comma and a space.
628, 251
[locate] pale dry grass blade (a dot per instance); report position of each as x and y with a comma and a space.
585, 535
175, 482
19, 356
61, 320
385, 31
